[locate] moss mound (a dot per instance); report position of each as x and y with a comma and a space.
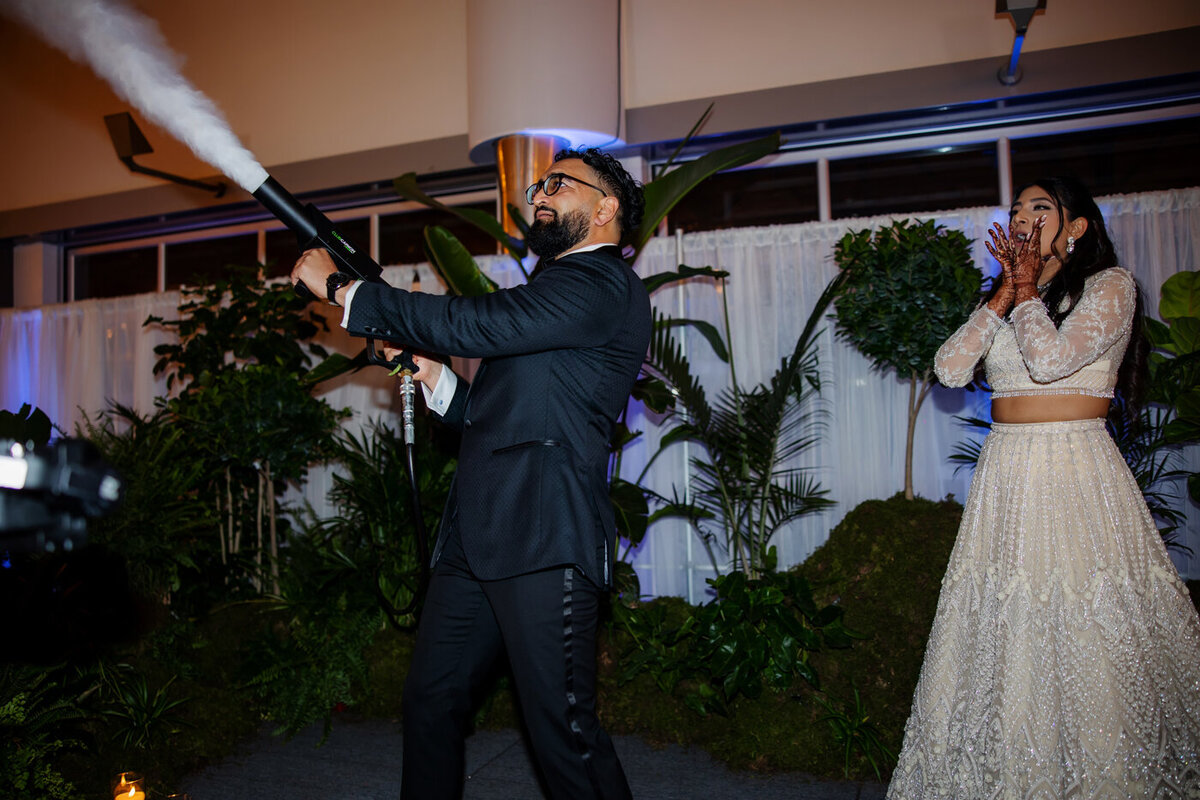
884, 563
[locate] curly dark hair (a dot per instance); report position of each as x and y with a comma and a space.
618, 183
1093, 252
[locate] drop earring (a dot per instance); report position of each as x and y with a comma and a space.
1070, 245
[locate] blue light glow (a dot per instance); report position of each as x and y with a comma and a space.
575, 138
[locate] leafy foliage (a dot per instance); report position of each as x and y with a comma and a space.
258, 414
40, 719
744, 491
374, 527
160, 527
1174, 384
966, 453
139, 718
237, 320
756, 633
853, 730
909, 287
28, 425
664, 192
314, 658
407, 187
244, 402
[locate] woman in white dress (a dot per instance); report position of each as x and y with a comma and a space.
1064, 659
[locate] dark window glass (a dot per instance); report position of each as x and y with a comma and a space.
1137, 158
742, 198
6, 275
927, 180
116, 273
206, 260
402, 240
282, 249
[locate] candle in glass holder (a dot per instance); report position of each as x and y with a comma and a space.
128, 786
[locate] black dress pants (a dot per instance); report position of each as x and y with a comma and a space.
546, 622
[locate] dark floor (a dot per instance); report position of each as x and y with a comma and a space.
361, 761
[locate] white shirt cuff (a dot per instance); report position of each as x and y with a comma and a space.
438, 400
349, 297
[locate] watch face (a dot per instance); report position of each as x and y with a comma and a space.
334, 282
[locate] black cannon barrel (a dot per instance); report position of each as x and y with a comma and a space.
286, 208
314, 229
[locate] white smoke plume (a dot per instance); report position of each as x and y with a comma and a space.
128, 50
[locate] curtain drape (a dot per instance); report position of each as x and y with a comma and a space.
74, 358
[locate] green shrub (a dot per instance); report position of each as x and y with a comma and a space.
39, 721
313, 656
883, 564
756, 632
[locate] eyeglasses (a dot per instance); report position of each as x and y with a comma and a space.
553, 182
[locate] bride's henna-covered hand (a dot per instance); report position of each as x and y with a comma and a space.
1028, 264
1002, 250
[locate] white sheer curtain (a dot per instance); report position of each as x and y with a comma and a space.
66, 358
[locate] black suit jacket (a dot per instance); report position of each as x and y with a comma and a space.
560, 355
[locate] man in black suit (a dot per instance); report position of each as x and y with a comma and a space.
525, 548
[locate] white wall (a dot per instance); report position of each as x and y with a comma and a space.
685, 49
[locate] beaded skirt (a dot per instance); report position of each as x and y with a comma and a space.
1064, 659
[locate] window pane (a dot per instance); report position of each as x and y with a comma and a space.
116, 273
768, 196
205, 260
929, 180
401, 236
282, 249
1137, 158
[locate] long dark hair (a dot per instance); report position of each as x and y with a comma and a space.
1093, 252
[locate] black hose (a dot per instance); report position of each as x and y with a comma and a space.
395, 614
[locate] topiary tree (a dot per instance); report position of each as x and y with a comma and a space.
244, 400
908, 287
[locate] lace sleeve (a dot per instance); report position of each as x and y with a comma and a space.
955, 361
1102, 315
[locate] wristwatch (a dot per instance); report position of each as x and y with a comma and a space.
334, 282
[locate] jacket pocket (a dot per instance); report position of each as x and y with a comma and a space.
523, 445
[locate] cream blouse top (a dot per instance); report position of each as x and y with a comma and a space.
1029, 356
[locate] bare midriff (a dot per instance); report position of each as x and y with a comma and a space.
1048, 408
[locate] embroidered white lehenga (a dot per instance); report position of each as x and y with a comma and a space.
1064, 659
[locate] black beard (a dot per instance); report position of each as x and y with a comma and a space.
551, 238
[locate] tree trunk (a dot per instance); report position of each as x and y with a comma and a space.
273, 531
235, 539
221, 529
258, 529
918, 389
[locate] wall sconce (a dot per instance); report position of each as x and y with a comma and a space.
129, 141
1022, 12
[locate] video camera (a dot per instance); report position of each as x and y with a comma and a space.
47, 493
